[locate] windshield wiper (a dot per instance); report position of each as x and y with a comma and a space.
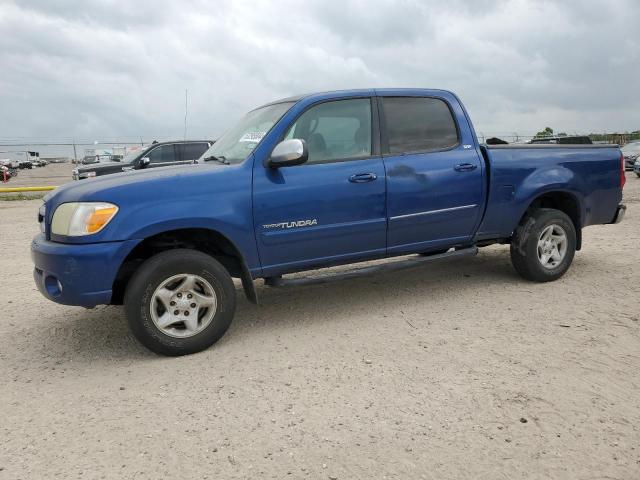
221, 159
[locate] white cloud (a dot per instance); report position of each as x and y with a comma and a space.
119, 68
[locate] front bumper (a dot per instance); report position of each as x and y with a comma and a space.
81, 175
78, 274
620, 211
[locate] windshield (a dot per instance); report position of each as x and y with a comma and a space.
631, 148
239, 141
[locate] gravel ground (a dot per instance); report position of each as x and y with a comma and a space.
455, 370
55, 174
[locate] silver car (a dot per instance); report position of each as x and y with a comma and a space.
631, 152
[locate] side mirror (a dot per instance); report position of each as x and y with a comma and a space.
144, 162
289, 153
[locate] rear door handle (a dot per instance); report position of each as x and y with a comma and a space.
362, 177
465, 167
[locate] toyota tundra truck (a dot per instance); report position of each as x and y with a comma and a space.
308, 182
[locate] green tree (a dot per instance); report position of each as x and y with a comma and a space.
547, 132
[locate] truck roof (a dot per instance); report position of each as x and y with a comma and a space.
361, 92
176, 141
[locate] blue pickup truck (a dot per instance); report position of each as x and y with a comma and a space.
309, 182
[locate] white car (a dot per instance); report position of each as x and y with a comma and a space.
631, 152
7, 162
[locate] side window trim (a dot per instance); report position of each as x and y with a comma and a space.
384, 139
375, 130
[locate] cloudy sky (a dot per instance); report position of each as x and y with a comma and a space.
119, 68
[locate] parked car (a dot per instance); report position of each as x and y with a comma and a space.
564, 140
7, 172
309, 182
26, 164
7, 162
631, 152
89, 160
157, 155
636, 167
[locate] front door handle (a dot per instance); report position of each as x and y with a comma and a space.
465, 167
362, 177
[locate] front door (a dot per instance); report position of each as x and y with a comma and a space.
330, 210
434, 175
166, 155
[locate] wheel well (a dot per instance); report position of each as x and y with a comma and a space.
207, 241
565, 202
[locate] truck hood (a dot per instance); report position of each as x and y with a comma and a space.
148, 183
99, 166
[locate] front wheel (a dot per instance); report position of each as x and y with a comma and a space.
543, 246
180, 302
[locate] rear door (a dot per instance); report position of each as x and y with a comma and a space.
331, 209
434, 174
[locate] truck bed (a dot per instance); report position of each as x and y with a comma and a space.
518, 174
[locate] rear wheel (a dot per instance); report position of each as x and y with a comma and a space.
543, 246
179, 302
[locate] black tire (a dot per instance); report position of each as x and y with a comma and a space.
524, 245
638, 174
137, 300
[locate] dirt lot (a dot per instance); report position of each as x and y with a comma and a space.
53, 174
456, 370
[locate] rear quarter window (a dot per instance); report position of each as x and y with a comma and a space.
416, 124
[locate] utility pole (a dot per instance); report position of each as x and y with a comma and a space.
185, 114
75, 156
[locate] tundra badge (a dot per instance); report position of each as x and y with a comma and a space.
294, 224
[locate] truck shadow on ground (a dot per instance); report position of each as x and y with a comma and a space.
103, 333
283, 306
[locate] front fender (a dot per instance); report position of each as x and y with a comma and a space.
233, 223
198, 196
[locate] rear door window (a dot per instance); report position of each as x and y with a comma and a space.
418, 124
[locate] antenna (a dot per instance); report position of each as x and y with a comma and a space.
185, 113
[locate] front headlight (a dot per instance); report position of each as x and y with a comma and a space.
77, 219
42, 215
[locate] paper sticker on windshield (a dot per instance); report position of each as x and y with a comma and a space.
252, 137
